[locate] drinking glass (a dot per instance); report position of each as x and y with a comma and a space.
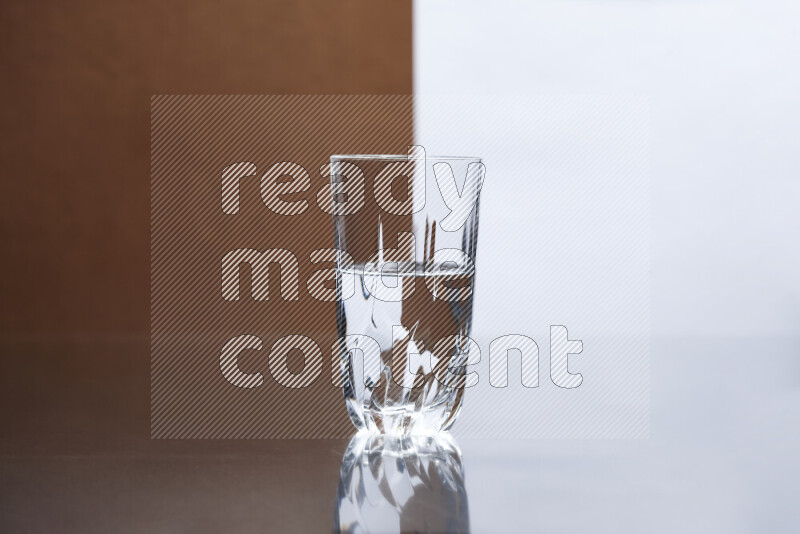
406, 230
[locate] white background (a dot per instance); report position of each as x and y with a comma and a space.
723, 82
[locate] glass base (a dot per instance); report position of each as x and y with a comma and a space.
407, 420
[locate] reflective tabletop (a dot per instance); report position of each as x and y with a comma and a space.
722, 457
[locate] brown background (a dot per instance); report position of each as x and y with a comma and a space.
77, 78
193, 139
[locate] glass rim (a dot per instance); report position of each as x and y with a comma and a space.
400, 157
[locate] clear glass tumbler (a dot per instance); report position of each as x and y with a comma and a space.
406, 231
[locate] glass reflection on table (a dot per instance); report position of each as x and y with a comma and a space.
401, 484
